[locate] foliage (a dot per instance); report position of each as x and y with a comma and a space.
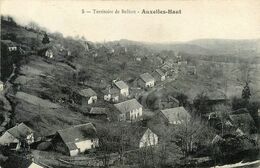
201, 104
45, 39
183, 99
246, 92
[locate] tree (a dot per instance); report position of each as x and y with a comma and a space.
222, 113
246, 92
191, 134
45, 39
183, 99
201, 104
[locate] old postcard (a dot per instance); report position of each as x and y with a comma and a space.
130, 84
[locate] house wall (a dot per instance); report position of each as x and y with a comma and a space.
87, 144
12, 48
150, 84
147, 84
1, 87
34, 165
30, 138
124, 92
136, 114
122, 117
148, 139
74, 152
92, 99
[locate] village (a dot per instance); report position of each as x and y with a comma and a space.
109, 106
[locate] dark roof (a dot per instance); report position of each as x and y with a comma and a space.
77, 133
111, 91
98, 110
121, 85
9, 43
128, 105
146, 77
169, 98
20, 131
175, 114
216, 95
87, 92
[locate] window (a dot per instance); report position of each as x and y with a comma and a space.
92, 146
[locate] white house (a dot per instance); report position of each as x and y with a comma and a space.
1, 86
88, 96
129, 110
159, 75
16, 135
76, 139
146, 80
174, 116
49, 53
122, 87
142, 137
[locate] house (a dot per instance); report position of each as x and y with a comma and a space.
88, 96
192, 70
182, 62
146, 80
98, 113
49, 53
18, 136
159, 75
111, 94
1, 86
76, 139
11, 46
122, 87
215, 98
129, 110
168, 102
174, 116
243, 121
142, 137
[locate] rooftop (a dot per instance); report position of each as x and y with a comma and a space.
146, 77
160, 72
20, 131
87, 92
175, 114
128, 105
98, 110
77, 133
121, 85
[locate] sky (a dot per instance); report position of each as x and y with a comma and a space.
199, 19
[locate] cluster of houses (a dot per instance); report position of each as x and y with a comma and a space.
81, 138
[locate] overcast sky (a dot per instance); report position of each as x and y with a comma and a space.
227, 19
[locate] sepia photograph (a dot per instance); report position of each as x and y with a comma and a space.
130, 84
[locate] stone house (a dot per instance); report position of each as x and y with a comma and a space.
88, 96
130, 110
122, 88
146, 80
76, 139
17, 136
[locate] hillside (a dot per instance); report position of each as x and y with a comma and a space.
238, 48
